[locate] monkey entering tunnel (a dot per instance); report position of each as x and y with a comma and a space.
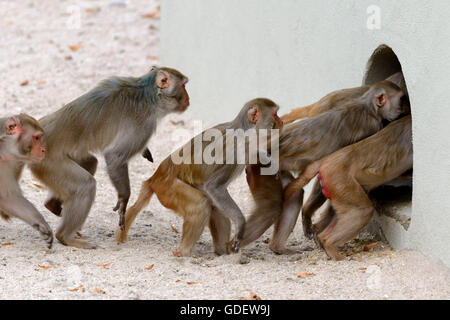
393, 199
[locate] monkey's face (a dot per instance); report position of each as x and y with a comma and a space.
182, 98
278, 123
389, 100
393, 107
31, 142
262, 113
172, 86
270, 119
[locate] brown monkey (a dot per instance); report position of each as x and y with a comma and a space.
21, 142
337, 99
116, 118
198, 192
304, 142
348, 174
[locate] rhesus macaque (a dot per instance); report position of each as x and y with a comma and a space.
21, 141
338, 99
304, 142
116, 118
348, 174
198, 191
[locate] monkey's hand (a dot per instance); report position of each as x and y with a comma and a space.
147, 155
121, 207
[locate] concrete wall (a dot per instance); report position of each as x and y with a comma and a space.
296, 51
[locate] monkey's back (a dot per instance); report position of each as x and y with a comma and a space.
337, 99
192, 167
91, 122
314, 138
378, 158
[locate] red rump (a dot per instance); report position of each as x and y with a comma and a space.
325, 190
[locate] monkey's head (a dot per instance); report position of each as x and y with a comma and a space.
388, 99
28, 136
262, 114
170, 84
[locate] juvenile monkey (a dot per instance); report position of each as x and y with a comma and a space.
304, 142
21, 142
348, 174
116, 118
198, 192
338, 99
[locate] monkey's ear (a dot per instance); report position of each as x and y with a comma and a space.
163, 80
12, 126
381, 99
253, 115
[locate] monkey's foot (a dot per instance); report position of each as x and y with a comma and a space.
182, 253
317, 240
308, 230
121, 235
46, 234
222, 249
54, 206
283, 250
121, 207
235, 245
333, 253
77, 243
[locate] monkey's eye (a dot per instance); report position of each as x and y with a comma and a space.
37, 138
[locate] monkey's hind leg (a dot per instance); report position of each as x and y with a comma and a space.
142, 201
285, 223
351, 216
77, 188
314, 202
53, 204
193, 205
326, 217
220, 228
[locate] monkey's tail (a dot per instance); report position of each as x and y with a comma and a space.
297, 184
144, 198
295, 114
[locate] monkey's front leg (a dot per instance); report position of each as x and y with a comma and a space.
118, 173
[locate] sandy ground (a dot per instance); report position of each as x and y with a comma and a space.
57, 52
